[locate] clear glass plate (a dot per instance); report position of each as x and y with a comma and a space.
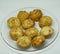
12, 44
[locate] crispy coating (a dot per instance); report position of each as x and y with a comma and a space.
35, 14
47, 31
24, 42
32, 32
23, 31
22, 15
15, 33
28, 23
45, 21
13, 21
38, 41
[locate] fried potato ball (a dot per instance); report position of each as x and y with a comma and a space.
22, 15
31, 32
24, 42
38, 41
45, 21
28, 23
15, 33
13, 21
23, 31
35, 14
47, 31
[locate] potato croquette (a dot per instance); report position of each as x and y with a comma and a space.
35, 14
15, 33
46, 31
30, 28
22, 15
28, 23
45, 21
13, 21
24, 42
38, 41
32, 32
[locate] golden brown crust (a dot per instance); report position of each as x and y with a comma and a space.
28, 23
22, 15
24, 42
35, 14
38, 41
45, 21
13, 21
15, 33
47, 31
31, 32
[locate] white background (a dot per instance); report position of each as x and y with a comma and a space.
7, 6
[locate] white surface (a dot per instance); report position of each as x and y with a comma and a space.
7, 6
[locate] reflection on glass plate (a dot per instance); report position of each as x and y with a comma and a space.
12, 44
